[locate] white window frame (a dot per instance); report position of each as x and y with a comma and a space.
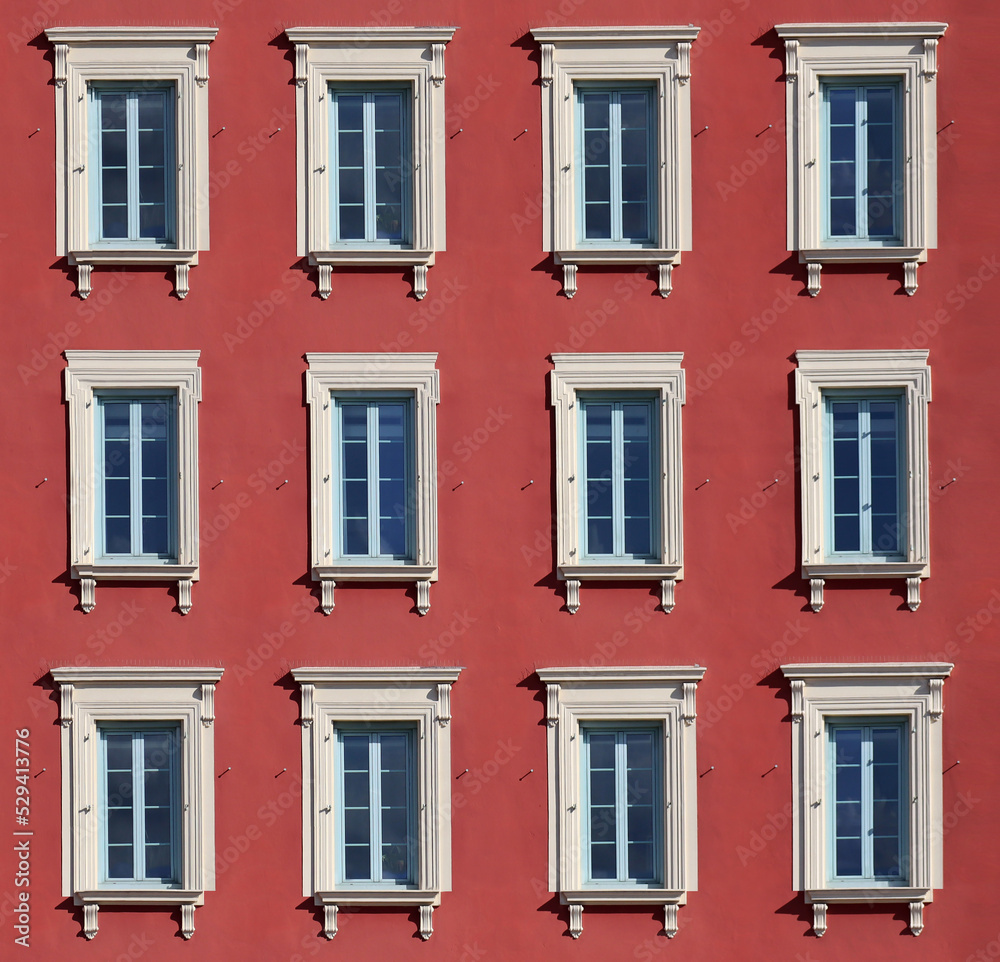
411, 57
821, 53
92, 697
819, 374
174, 372
657, 56
618, 375
417, 697
655, 696
372, 375
174, 56
826, 693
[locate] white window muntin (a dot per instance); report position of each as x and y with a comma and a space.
613, 143
868, 549
135, 153
861, 87
370, 165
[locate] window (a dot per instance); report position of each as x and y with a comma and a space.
370, 114
622, 774
373, 166
374, 463
132, 147
140, 805
376, 766
616, 132
618, 467
867, 775
137, 788
861, 163
866, 771
621, 770
864, 469
133, 420
862, 158
377, 832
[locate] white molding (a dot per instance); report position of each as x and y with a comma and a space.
90, 697
419, 696
90, 371
816, 53
659, 695
372, 373
621, 373
410, 56
658, 55
170, 55
820, 372
822, 693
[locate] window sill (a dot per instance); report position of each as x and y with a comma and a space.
425, 900
88, 575
419, 260
85, 261
670, 899
93, 900
667, 575
421, 575
665, 260
913, 572
909, 257
819, 899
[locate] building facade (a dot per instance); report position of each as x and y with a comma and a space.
504, 484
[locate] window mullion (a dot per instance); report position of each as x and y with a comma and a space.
132, 162
865, 475
867, 805
368, 159
374, 506
138, 809
618, 478
375, 810
135, 475
615, 162
861, 162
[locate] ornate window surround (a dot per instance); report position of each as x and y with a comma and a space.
90, 371
664, 696
417, 696
412, 56
822, 693
819, 52
92, 696
174, 55
660, 56
825, 371
659, 373
371, 374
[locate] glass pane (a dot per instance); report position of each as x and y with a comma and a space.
119, 750
117, 536
395, 752
640, 823
394, 821
635, 189
357, 862
354, 421
849, 819
113, 111
639, 750
597, 181
598, 221
637, 537
842, 143
848, 856
158, 862
349, 107
881, 139
394, 787
602, 750
635, 222
155, 458
602, 787
392, 537
845, 419
843, 219
881, 105
395, 862
151, 185
120, 861
351, 151
151, 109
846, 534
356, 826
637, 462
388, 111
157, 788
388, 150
356, 790
637, 499
116, 497
114, 186
355, 460
352, 186
885, 818
158, 827
355, 753
155, 536
885, 857
603, 861
356, 499
151, 148
846, 496
155, 497
113, 147
596, 108
120, 826
600, 534
356, 537
640, 861
635, 148
352, 223
599, 460
599, 498
847, 747
153, 220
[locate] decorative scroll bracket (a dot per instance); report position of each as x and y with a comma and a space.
187, 921
916, 917
819, 919
813, 273
83, 280
326, 603
664, 284
201, 69
816, 592
444, 704
913, 593
329, 921
423, 595
546, 65
670, 926
437, 64
88, 589
207, 705
690, 712
184, 593
667, 601
306, 708
90, 911
301, 68
576, 920
910, 277
683, 62
426, 921
551, 705
572, 595
569, 279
